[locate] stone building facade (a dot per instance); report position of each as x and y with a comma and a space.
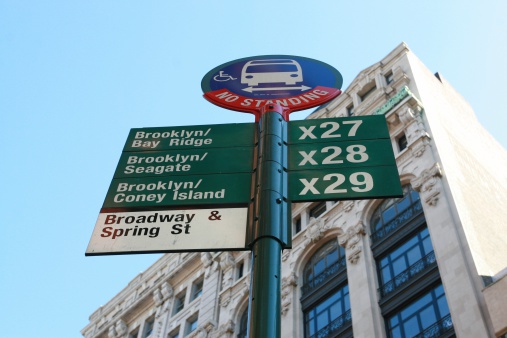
430, 264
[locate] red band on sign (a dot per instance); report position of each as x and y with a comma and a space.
311, 98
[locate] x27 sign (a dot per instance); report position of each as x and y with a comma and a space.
341, 159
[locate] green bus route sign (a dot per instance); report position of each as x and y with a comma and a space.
167, 167
340, 159
193, 190
185, 162
212, 166
191, 137
328, 159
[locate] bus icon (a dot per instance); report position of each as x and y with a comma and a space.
271, 71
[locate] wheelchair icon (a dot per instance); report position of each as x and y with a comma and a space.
222, 77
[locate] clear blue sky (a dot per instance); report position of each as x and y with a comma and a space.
75, 76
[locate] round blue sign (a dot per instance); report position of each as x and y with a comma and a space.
292, 81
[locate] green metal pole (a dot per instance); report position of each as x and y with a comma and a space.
269, 234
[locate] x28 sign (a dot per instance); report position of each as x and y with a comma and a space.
341, 158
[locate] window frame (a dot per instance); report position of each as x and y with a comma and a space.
365, 93
317, 209
435, 299
192, 323
179, 302
389, 77
401, 142
151, 325
197, 288
344, 317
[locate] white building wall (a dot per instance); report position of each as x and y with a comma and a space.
445, 161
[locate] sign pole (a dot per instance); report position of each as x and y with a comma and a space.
270, 228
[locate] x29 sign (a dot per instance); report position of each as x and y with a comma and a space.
341, 159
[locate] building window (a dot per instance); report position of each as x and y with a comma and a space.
389, 78
367, 92
406, 261
134, 333
317, 210
325, 263
402, 142
191, 324
427, 316
179, 302
174, 333
243, 325
197, 289
297, 225
394, 212
148, 327
240, 270
350, 110
329, 315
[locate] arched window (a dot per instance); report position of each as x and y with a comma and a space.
325, 294
243, 325
327, 261
394, 211
407, 270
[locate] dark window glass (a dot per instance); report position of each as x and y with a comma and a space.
241, 268
197, 289
367, 93
402, 142
318, 210
419, 315
328, 312
179, 302
148, 327
405, 255
389, 77
350, 110
191, 325
243, 325
297, 225
392, 208
322, 262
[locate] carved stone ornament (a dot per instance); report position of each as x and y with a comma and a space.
285, 255
121, 328
167, 291
227, 261
206, 259
407, 116
200, 332
348, 205
418, 148
315, 230
225, 298
288, 283
351, 241
208, 263
112, 332
426, 184
157, 297
225, 330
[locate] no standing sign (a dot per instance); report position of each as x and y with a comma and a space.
293, 82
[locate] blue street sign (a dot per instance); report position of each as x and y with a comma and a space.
250, 83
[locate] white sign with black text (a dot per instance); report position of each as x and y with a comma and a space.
169, 231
